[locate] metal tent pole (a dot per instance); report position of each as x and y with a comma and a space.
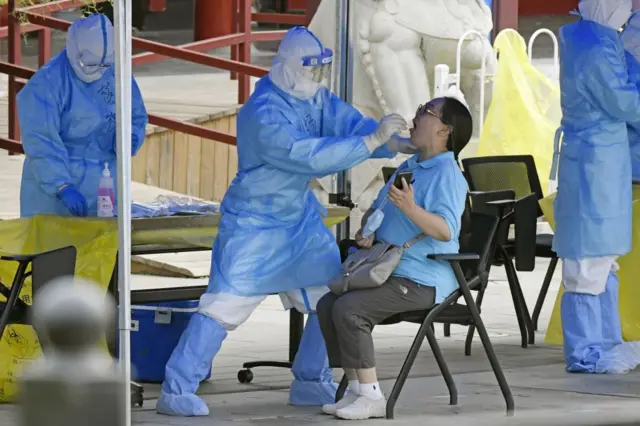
122, 27
343, 88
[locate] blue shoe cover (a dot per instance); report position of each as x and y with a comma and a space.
313, 384
611, 327
620, 359
314, 394
186, 405
189, 364
582, 331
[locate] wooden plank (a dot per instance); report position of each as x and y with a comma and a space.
139, 164
194, 144
221, 161
207, 172
233, 153
233, 124
153, 160
188, 265
180, 162
142, 265
166, 160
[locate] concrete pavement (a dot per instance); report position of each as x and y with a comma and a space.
543, 392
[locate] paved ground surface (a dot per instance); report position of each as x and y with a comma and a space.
543, 392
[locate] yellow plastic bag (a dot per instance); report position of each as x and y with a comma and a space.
96, 242
628, 276
525, 110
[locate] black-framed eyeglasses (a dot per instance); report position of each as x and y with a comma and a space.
426, 109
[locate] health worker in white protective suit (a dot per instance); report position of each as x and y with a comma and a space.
593, 204
271, 235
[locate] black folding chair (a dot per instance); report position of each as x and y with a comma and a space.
519, 213
517, 173
44, 268
471, 268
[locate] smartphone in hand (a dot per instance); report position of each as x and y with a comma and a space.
408, 176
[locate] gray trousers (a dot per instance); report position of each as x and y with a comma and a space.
348, 320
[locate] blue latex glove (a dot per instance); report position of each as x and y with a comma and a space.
74, 201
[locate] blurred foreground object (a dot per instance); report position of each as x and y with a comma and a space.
75, 382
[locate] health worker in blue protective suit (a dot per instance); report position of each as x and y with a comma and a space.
593, 204
271, 237
631, 41
68, 123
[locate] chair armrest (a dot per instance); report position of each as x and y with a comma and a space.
501, 202
480, 201
18, 257
526, 198
454, 257
489, 193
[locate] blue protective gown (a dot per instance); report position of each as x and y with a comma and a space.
271, 237
633, 67
631, 41
68, 130
593, 205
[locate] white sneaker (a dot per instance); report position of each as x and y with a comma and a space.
364, 408
346, 400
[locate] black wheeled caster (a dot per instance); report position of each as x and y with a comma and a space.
245, 376
137, 393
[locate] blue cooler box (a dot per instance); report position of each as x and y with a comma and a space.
155, 331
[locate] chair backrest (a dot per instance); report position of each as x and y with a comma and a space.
482, 241
51, 265
515, 172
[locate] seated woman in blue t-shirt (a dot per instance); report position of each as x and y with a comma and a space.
433, 204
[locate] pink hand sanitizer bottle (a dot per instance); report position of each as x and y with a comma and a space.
106, 194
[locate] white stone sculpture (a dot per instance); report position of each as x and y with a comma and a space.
397, 44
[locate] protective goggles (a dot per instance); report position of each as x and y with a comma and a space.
319, 65
91, 65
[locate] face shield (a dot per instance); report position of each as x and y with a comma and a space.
90, 47
319, 66
301, 65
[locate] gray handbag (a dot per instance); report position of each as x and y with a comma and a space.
369, 268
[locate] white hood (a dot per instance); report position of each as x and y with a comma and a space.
610, 13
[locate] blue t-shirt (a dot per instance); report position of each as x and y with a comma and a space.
439, 188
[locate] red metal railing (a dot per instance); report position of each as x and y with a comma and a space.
239, 65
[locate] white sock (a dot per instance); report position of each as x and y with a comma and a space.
371, 390
354, 386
